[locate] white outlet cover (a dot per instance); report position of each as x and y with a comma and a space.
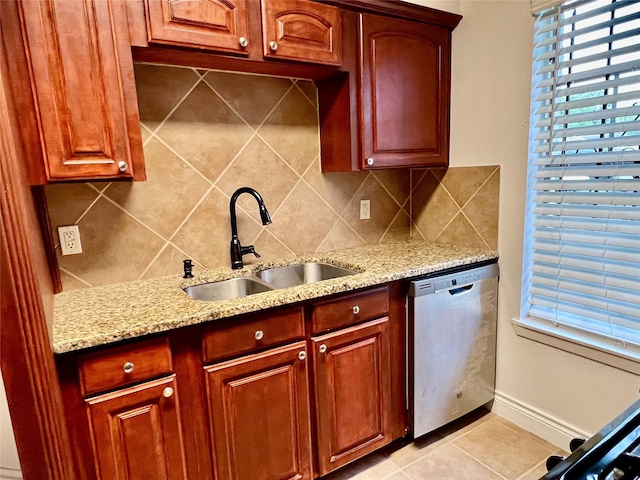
70, 240
365, 209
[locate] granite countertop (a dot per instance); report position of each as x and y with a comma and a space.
101, 315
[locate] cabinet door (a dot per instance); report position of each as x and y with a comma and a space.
211, 24
136, 432
302, 30
259, 414
405, 93
84, 89
352, 391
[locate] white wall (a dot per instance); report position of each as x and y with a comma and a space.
9, 464
551, 392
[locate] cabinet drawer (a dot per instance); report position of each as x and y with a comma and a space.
350, 309
256, 332
116, 367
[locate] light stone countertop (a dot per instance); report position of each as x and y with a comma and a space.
101, 315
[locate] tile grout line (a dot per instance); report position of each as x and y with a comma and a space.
478, 461
531, 469
177, 105
62, 269
479, 188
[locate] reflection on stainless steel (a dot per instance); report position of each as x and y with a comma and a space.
292, 275
453, 340
227, 289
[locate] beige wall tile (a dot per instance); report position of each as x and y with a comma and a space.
209, 138
310, 91
463, 182
160, 89
116, 247
252, 96
396, 182
207, 232
260, 168
383, 211
66, 202
303, 220
482, 210
336, 188
461, 232
292, 130
433, 207
72, 283
205, 132
340, 236
171, 191
169, 262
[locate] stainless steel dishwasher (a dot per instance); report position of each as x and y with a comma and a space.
451, 344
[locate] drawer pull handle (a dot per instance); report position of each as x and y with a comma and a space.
259, 335
323, 348
273, 45
356, 309
243, 42
128, 367
122, 166
167, 392
302, 355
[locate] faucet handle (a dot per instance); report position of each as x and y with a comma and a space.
250, 249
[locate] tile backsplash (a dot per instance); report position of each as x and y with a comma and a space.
207, 133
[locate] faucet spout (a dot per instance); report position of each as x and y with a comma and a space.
237, 250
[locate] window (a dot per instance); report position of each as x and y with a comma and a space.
582, 238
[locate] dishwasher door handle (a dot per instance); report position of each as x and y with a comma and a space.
461, 290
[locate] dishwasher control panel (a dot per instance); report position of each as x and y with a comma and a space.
452, 281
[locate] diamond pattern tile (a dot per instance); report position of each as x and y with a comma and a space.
207, 133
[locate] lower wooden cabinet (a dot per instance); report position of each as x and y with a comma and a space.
136, 432
259, 414
289, 393
352, 392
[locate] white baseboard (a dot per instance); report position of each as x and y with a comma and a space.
539, 423
10, 474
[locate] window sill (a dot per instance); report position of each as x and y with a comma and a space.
591, 348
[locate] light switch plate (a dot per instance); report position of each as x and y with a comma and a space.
70, 240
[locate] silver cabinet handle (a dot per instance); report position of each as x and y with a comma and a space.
243, 42
370, 161
128, 367
302, 355
167, 392
273, 45
356, 309
259, 335
122, 166
323, 348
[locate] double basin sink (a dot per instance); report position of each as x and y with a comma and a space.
267, 279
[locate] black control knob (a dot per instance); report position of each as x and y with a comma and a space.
552, 461
576, 443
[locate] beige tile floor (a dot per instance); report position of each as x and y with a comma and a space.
479, 446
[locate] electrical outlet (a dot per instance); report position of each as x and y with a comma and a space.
365, 209
70, 240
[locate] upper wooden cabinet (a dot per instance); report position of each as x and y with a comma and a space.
211, 24
406, 78
79, 72
302, 30
391, 109
299, 30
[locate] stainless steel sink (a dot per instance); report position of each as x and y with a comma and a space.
292, 275
227, 289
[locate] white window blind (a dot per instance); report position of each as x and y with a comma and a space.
582, 253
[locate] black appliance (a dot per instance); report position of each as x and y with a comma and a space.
611, 454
